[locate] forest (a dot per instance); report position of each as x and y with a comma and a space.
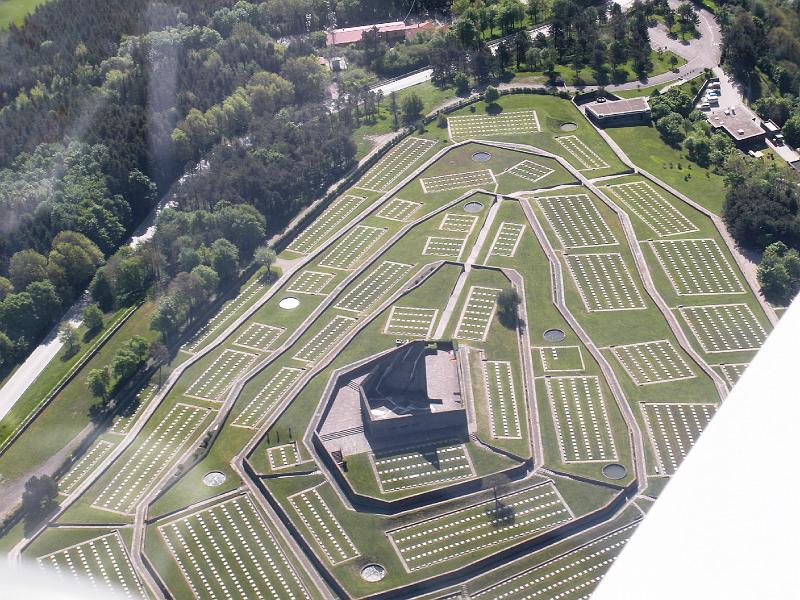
103, 107
582, 34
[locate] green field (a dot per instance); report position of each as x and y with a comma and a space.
644, 145
589, 76
14, 11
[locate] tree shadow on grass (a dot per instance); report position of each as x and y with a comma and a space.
494, 108
501, 514
506, 76
90, 334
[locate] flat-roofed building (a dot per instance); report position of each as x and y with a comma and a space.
390, 32
738, 124
632, 111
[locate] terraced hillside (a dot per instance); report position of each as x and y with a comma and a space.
584, 322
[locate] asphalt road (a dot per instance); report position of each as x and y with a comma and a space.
28, 371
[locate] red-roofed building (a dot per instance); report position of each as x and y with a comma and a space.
391, 32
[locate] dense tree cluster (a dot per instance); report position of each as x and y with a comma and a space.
508, 302
39, 287
58, 187
126, 362
762, 36
779, 273
198, 252
104, 104
680, 125
284, 164
761, 206
582, 34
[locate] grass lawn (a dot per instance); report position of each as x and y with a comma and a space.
53, 373
68, 413
691, 87
432, 97
590, 76
368, 530
638, 91
676, 31
515, 567
14, 11
644, 146
552, 113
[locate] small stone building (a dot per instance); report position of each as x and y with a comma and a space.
611, 113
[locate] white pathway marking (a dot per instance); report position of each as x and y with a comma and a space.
604, 282
254, 413
326, 224
248, 295
353, 248
477, 314
445, 247
395, 164
652, 208
653, 362
259, 336
588, 159
571, 576
502, 400
581, 419
576, 221
472, 258
218, 377
457, 181
374, 286
85, 465
103, 561
724, 327
507, 239
319, 345
152, 456
229, 551
480, 526
529, 170
732, 372
123, 423
310, 282
283, 456
411, 320
398, 209
422, 465
696, 267
482, 126
458, 222
673, 429
323, 526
